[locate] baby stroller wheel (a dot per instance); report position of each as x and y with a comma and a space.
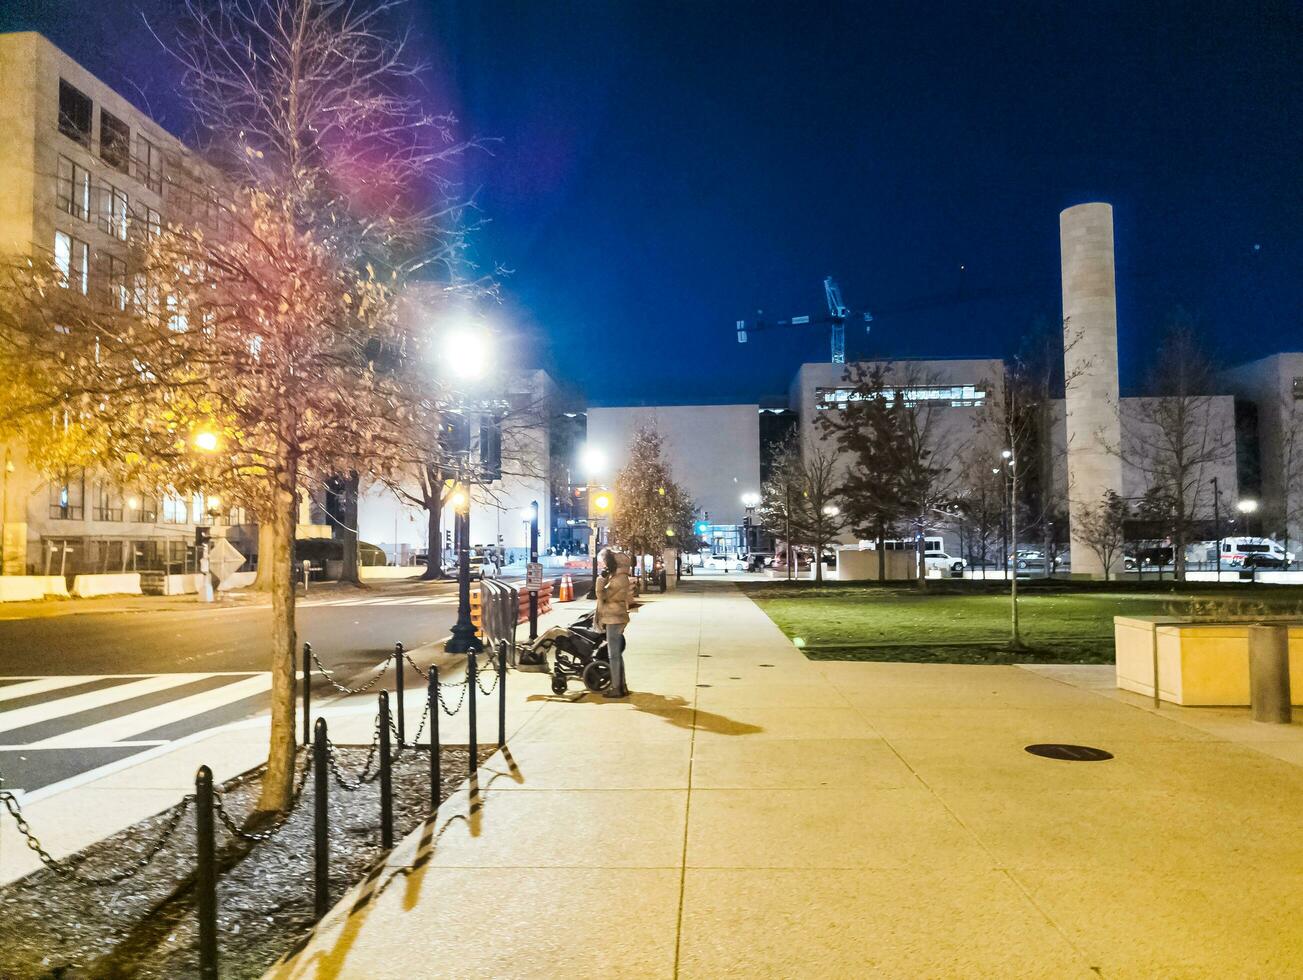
597, 676
558, 684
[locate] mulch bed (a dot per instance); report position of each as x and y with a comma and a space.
56, 926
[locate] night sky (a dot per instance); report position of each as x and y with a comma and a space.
666, 169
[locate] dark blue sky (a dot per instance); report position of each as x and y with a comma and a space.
668, 168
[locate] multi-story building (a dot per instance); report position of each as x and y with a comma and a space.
85, 175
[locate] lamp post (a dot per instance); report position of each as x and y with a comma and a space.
593, 462
1248, 508
533, 560
464, 638
1217, 526
750, 501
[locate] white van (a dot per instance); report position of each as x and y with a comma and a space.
931, 546
1242, 553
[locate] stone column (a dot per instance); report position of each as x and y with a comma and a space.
1090, 362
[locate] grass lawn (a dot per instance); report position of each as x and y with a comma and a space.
966, 622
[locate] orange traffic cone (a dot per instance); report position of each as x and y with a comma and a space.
567, 591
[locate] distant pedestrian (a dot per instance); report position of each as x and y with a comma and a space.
613, 615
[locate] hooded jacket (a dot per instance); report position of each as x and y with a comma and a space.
613, 597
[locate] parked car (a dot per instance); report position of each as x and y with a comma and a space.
726, 562
940, 561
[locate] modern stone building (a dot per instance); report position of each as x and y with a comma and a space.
83, 174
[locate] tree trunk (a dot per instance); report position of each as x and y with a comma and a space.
434, 539
882, 552
348, 510
277, 784
266, 545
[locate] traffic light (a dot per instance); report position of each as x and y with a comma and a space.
203, 535
447, 538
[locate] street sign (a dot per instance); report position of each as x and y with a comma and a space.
533, 576
223, 559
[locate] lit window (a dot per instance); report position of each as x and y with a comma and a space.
175, 511
115, 212
72, 259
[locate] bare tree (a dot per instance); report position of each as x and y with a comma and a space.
1175, 437
1101, 526
264, 316
801, 501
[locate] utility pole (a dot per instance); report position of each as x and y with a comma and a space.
1217, 526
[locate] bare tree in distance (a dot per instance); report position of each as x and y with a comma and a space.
1101, 526
1174, 437
802, 501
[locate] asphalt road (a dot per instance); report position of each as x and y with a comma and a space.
81, 689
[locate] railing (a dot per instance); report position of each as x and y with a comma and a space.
322, 764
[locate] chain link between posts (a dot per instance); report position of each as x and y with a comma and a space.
233, 828
321, 669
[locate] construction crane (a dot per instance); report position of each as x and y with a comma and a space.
838, 314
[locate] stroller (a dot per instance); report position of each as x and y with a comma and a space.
577, 650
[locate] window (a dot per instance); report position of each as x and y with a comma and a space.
153, 223
67, 496
72, 189
956, 396
74, 113
115, 212
175, 511
149, 165
143, 509
107, 504
115, 282
115, 142
72, 259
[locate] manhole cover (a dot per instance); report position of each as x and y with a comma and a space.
1070, 753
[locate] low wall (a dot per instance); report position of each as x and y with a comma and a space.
183, 584
1198, 663
121, 583
237, 580
25, 588
376, 573
855, 565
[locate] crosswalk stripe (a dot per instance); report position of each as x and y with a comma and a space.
109, 732
21, 718
42, 685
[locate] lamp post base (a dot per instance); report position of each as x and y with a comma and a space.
464, 639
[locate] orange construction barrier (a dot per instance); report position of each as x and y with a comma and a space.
477, 608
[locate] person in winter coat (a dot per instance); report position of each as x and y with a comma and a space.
613, 615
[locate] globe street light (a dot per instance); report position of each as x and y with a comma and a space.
750, 500
466, 351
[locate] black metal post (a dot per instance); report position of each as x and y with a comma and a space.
502, 694
471, 690
206, 872
463, 639
398, 666
1217, 528
432, 695
320, 828
533, 558
307, 694
386, 777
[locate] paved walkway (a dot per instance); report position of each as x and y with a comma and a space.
754, 814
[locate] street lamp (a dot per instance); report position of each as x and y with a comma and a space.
750, 501
593, 461
466, 351
206, 441
463, 638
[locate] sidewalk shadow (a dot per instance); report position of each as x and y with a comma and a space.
679, 713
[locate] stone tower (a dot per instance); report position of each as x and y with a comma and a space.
1090, 362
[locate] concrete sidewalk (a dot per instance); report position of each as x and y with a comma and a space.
751, 813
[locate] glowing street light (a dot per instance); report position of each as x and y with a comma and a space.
832, 510
1247, 506
206, 441
458, 500
466, 351
593, 461
602, 502
750, 500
